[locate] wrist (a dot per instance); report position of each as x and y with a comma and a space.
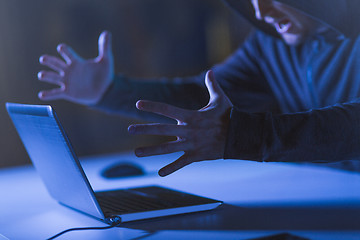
104, 90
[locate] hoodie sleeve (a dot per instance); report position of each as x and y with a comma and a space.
124, 92
239, 76
324, 135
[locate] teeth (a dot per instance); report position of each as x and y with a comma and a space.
283, 27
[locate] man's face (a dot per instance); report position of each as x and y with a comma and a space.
292, 25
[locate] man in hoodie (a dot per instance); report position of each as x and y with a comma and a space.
289, 94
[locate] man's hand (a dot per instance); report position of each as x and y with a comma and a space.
200, 134
81, 80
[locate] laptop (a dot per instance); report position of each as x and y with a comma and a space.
57, 164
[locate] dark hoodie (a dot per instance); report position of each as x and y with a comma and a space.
291, 103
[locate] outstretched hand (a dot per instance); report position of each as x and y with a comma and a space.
200, 134
80, 80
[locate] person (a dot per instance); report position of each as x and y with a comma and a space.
290, 93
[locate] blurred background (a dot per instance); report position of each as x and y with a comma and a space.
151, 38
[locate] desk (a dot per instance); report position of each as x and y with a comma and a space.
260, 199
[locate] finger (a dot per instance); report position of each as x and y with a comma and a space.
53, 62
105, 44
165, 148
53, 94
158, 129
164, 109
67, 53
50, 77
174, 166
213, 87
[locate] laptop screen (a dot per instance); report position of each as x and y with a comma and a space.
53, 157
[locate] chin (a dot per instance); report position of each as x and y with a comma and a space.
293, 39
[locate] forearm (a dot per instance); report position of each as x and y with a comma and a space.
329, 134
124, 92
239, 76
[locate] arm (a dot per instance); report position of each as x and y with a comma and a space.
92, 82
124, 92
323, 135
239, 76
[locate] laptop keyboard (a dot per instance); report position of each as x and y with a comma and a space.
145, 199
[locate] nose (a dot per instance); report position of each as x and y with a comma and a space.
258, 14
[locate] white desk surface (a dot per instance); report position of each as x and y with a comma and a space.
260, 199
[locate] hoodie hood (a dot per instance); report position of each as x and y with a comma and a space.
341, 15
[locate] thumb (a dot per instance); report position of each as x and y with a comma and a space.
105, 45
213, 87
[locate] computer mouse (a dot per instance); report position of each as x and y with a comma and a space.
120, 170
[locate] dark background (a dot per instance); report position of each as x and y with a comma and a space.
151, 38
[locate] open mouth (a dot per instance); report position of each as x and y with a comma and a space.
282, 26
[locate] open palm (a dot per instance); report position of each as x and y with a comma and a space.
80, 80
201, 134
